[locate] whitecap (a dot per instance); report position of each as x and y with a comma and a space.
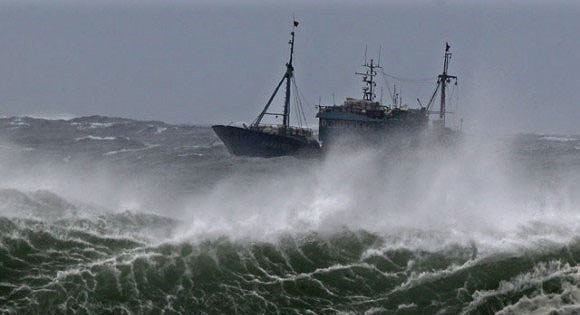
95, 138
558, 138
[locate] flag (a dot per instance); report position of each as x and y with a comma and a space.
296, 23
447, 47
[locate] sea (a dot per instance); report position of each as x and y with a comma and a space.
103, 215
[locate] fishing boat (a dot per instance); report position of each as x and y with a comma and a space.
271, 140
368, 120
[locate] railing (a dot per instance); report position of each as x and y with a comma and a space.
284, 130
374, 113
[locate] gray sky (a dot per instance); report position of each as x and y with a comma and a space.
216, 62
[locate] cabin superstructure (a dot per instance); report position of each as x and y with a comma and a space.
367, 118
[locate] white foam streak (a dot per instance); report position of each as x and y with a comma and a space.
563, 303
559, 139
95, 138
476, 192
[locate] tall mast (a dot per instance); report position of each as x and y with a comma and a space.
288, 78
369, 79
289, 74
444, 78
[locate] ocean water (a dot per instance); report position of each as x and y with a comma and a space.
105, 215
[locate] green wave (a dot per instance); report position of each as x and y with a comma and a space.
85, 266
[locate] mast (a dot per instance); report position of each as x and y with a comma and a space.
444, 78
368, 77
288, 78
289, 74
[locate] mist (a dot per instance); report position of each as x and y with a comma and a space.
481, 191
489, 191
101, 204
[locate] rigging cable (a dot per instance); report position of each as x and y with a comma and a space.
433, 97
388, 85
456, 116
296, 106
299, 96
297, 109
402, 79
298, 101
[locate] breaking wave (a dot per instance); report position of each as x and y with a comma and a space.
128, 263
489, 226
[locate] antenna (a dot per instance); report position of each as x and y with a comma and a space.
365, 55
368, 78
380, 50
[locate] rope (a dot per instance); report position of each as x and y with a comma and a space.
388, 86
297, 109
300, 109
403, 79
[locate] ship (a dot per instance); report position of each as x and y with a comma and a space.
367, 120
271, 140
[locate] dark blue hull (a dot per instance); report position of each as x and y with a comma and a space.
256, 143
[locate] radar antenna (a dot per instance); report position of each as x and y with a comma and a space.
368, 78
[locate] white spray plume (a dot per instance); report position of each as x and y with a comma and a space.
475, 191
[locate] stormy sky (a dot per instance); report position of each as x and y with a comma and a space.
205, 62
